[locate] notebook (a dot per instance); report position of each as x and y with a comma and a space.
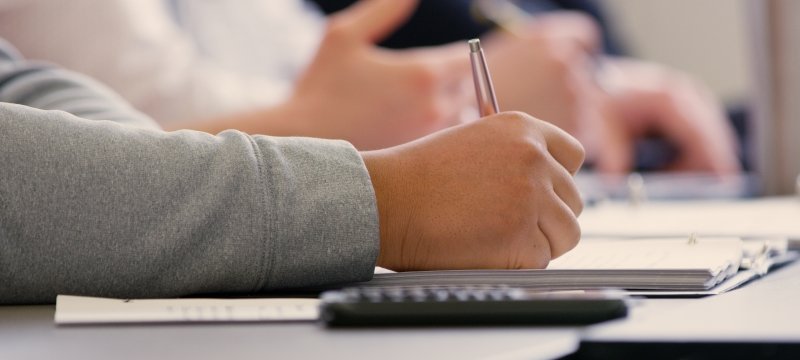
668, 264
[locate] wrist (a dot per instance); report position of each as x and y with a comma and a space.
387, 203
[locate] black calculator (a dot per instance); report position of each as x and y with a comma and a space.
466, 305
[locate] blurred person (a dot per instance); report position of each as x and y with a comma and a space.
97, 200
545, 68
636, 99
350, 90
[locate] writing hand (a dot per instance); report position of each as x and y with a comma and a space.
493, 193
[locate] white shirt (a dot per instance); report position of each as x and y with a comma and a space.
270, 38
172, 59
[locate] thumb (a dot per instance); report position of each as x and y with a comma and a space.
374, 20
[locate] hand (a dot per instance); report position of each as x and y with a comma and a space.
493, 193
374, 97
643, 99
545, 68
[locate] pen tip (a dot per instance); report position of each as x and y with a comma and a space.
474, 45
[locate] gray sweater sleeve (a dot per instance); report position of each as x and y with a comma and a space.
122, 209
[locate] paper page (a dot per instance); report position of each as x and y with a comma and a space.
380, 270
768, 217
715, 254
92, 310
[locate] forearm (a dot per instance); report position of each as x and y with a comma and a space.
294, 117
285, 119
121, 208
97, 208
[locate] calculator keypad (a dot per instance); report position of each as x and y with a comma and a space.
433, 293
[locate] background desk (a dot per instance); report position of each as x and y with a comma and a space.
28, 332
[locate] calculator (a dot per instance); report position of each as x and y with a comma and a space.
466, 305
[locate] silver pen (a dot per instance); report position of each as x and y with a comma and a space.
484, 90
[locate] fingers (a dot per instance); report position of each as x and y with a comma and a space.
559, 225
699, 128
534, 254
566, 189
651, 98
615, 147
563, 147
373, 20
556, 232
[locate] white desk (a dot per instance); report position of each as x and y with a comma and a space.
758, 321
28, 332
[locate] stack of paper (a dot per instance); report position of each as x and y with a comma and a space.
675, 264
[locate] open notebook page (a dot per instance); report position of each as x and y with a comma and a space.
715, 254
767, 217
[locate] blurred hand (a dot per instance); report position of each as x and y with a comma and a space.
374, 97
544, 68
493, 193
645, 99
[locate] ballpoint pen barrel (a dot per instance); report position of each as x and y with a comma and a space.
484, 90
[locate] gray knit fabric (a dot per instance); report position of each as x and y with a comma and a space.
115, 207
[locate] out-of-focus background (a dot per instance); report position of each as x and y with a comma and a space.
706, 38
747, 52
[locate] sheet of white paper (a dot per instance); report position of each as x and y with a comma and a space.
766, 217
92, 310
671, 253
380, 270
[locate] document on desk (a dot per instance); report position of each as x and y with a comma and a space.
766, 217
672, 264
92, 310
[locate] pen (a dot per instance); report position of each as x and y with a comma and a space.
484, 90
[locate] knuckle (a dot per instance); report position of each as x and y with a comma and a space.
518, 121
336, 30
532, 152
517, 115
